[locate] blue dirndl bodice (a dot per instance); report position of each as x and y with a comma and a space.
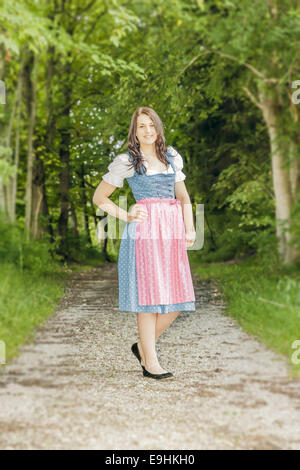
158, 185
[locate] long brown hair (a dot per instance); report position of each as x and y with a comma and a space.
133, 144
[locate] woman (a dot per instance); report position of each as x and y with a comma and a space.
153, 268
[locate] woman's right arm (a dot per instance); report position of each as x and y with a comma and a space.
101, 199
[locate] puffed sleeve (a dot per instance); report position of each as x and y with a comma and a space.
118, 170
178, 163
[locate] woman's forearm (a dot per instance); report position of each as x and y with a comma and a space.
112, 209
187, 212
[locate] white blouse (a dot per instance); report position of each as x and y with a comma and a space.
118, 171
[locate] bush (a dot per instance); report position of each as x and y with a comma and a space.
36, 255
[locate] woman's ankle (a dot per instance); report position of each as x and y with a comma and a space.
152, 363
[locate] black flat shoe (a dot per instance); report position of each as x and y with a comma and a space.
156, 376
135, 350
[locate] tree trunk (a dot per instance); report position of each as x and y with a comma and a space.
14, 182
64, 154
294, 169
2, 69
2, 61
50, 134
10, 186
30, 74
7, 184
84, 206
281, 179
73, 222
38, 197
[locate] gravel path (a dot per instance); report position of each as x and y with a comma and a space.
78, 386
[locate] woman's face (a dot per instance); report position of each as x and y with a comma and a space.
145, 130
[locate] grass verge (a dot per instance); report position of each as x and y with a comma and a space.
264, 300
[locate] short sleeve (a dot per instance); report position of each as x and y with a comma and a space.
178, 163
118, 170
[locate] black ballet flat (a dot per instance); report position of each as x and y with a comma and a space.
135, 350
156, 376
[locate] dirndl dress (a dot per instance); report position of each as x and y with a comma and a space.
154, 274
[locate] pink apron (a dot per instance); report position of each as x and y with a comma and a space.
162, 265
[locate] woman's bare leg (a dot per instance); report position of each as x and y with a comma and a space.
147, 329
163, 321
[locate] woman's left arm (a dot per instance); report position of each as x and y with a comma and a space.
187, 212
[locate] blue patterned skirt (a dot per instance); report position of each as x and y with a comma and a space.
128, 286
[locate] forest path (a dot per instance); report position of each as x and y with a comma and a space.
78, 386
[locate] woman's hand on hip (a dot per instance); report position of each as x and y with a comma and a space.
137, 214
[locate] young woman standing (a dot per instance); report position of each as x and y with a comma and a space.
153, 267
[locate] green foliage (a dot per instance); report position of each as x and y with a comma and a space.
36, 255
26, 300
193, 62
252, 199
80, 251
231, 244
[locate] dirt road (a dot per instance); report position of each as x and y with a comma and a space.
78, 386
